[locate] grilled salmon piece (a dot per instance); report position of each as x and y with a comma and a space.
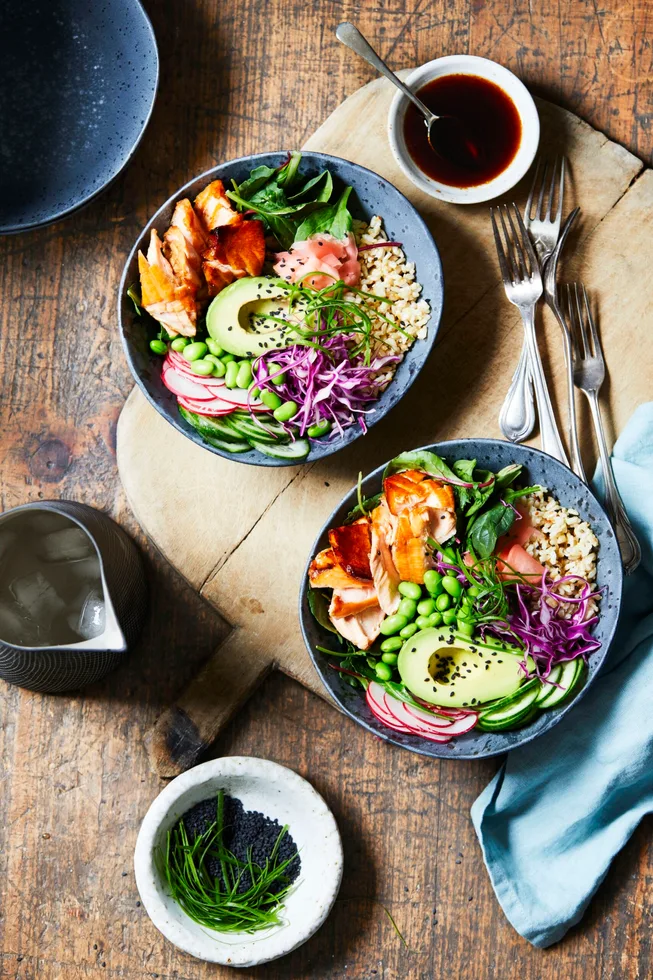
385, 576
234, 250
183, 244
362, 629
171, 303
325, 573
415, 525
350, 602
351, 546
214, 207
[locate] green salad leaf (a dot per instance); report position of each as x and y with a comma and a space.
319, 606
488, 527
421, 459
334, 219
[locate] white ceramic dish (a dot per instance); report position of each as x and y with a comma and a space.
277, 792
467, 65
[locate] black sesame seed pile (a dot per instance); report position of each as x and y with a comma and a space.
243, 829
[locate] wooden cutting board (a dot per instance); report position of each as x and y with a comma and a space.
240, 535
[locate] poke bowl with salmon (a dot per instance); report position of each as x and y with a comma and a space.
460, 600
278, 306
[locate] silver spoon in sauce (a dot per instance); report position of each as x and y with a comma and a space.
447, 135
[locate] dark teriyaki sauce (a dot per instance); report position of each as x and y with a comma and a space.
491, 122
243, 829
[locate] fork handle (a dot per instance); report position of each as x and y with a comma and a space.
631, 553
517, 415
549, 435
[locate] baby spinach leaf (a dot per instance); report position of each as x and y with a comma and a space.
508, 475
464, 468
317, 603
288, 173
257, 179
488, 528
421, 459
511, 495
331, 219
316, 190
365, 507
481, 494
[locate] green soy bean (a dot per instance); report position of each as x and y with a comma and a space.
392, 624
244, 377
442, 602
320, 428
451, 585
426, 607
179, 343
408, 631
286, 411
449, 617
231, 376
423, 622
392, 644
389, 658
383, 671
410, 590
158, 347
194, 352
213, 346
271, 400
433, 582
202, 367
407, 608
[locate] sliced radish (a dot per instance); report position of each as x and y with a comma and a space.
241, 397
374, 697
204, 408
396, 710
179, 384
452, 726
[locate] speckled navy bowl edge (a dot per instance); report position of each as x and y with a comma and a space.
255, 458
18, 229
414, 743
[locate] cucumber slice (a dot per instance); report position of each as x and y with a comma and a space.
246, 429
505, 702
299, 449
267, 420
512, 714
210, 428
547, 685
226, 445
569, 680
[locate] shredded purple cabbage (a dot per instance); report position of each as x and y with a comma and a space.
326, 382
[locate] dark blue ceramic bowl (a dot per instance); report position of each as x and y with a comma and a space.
77, 85
372, 195
571, 492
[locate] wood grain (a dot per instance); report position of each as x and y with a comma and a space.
75, 776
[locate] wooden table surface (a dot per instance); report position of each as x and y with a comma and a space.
239, 78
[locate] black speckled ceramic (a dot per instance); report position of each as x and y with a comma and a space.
571, 492
78, 80
372, 195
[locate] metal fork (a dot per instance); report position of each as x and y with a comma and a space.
517, 416
589, 374
523, 284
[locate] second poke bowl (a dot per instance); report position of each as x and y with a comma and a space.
462, 598
279, 305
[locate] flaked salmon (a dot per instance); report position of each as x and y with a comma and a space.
423, 509
350, 602
171, 302
234, 250
385, 576
214, 207
326, 573
362, 629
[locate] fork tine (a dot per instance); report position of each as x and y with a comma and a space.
527, 245
529, 202
572, 321
598, 352
516, 253
503, 263
561, 188
552, 188
540, 200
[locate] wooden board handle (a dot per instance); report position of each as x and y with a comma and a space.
187, 729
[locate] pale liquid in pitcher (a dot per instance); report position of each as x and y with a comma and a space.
50, 582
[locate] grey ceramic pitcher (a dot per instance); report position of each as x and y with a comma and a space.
55, 669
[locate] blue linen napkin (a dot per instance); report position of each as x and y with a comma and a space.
561, 807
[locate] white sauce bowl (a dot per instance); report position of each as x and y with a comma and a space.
463, 64
278, 793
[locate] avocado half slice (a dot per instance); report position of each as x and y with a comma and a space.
444, 667
238, 319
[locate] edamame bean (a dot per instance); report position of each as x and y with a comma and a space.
227, 358
158, 347
449, 617
319, 429
213, 346
448, 554
442, 602
426, 607
393, 643
423, 622
256, 392
273, 368
474, 591
392, 624
193, 352
411, 590
219, 369
389, 658
271, 400
383, 671
203, 367
432, 581
231, 375
244, 374
407, 608
451, 585
435, 619
286, 411
466, 627
179, 343
408, 631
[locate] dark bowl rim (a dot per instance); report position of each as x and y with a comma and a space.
441, 449
60, 215
429, 341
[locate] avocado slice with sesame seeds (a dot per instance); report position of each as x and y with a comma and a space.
441, 666
243, 318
